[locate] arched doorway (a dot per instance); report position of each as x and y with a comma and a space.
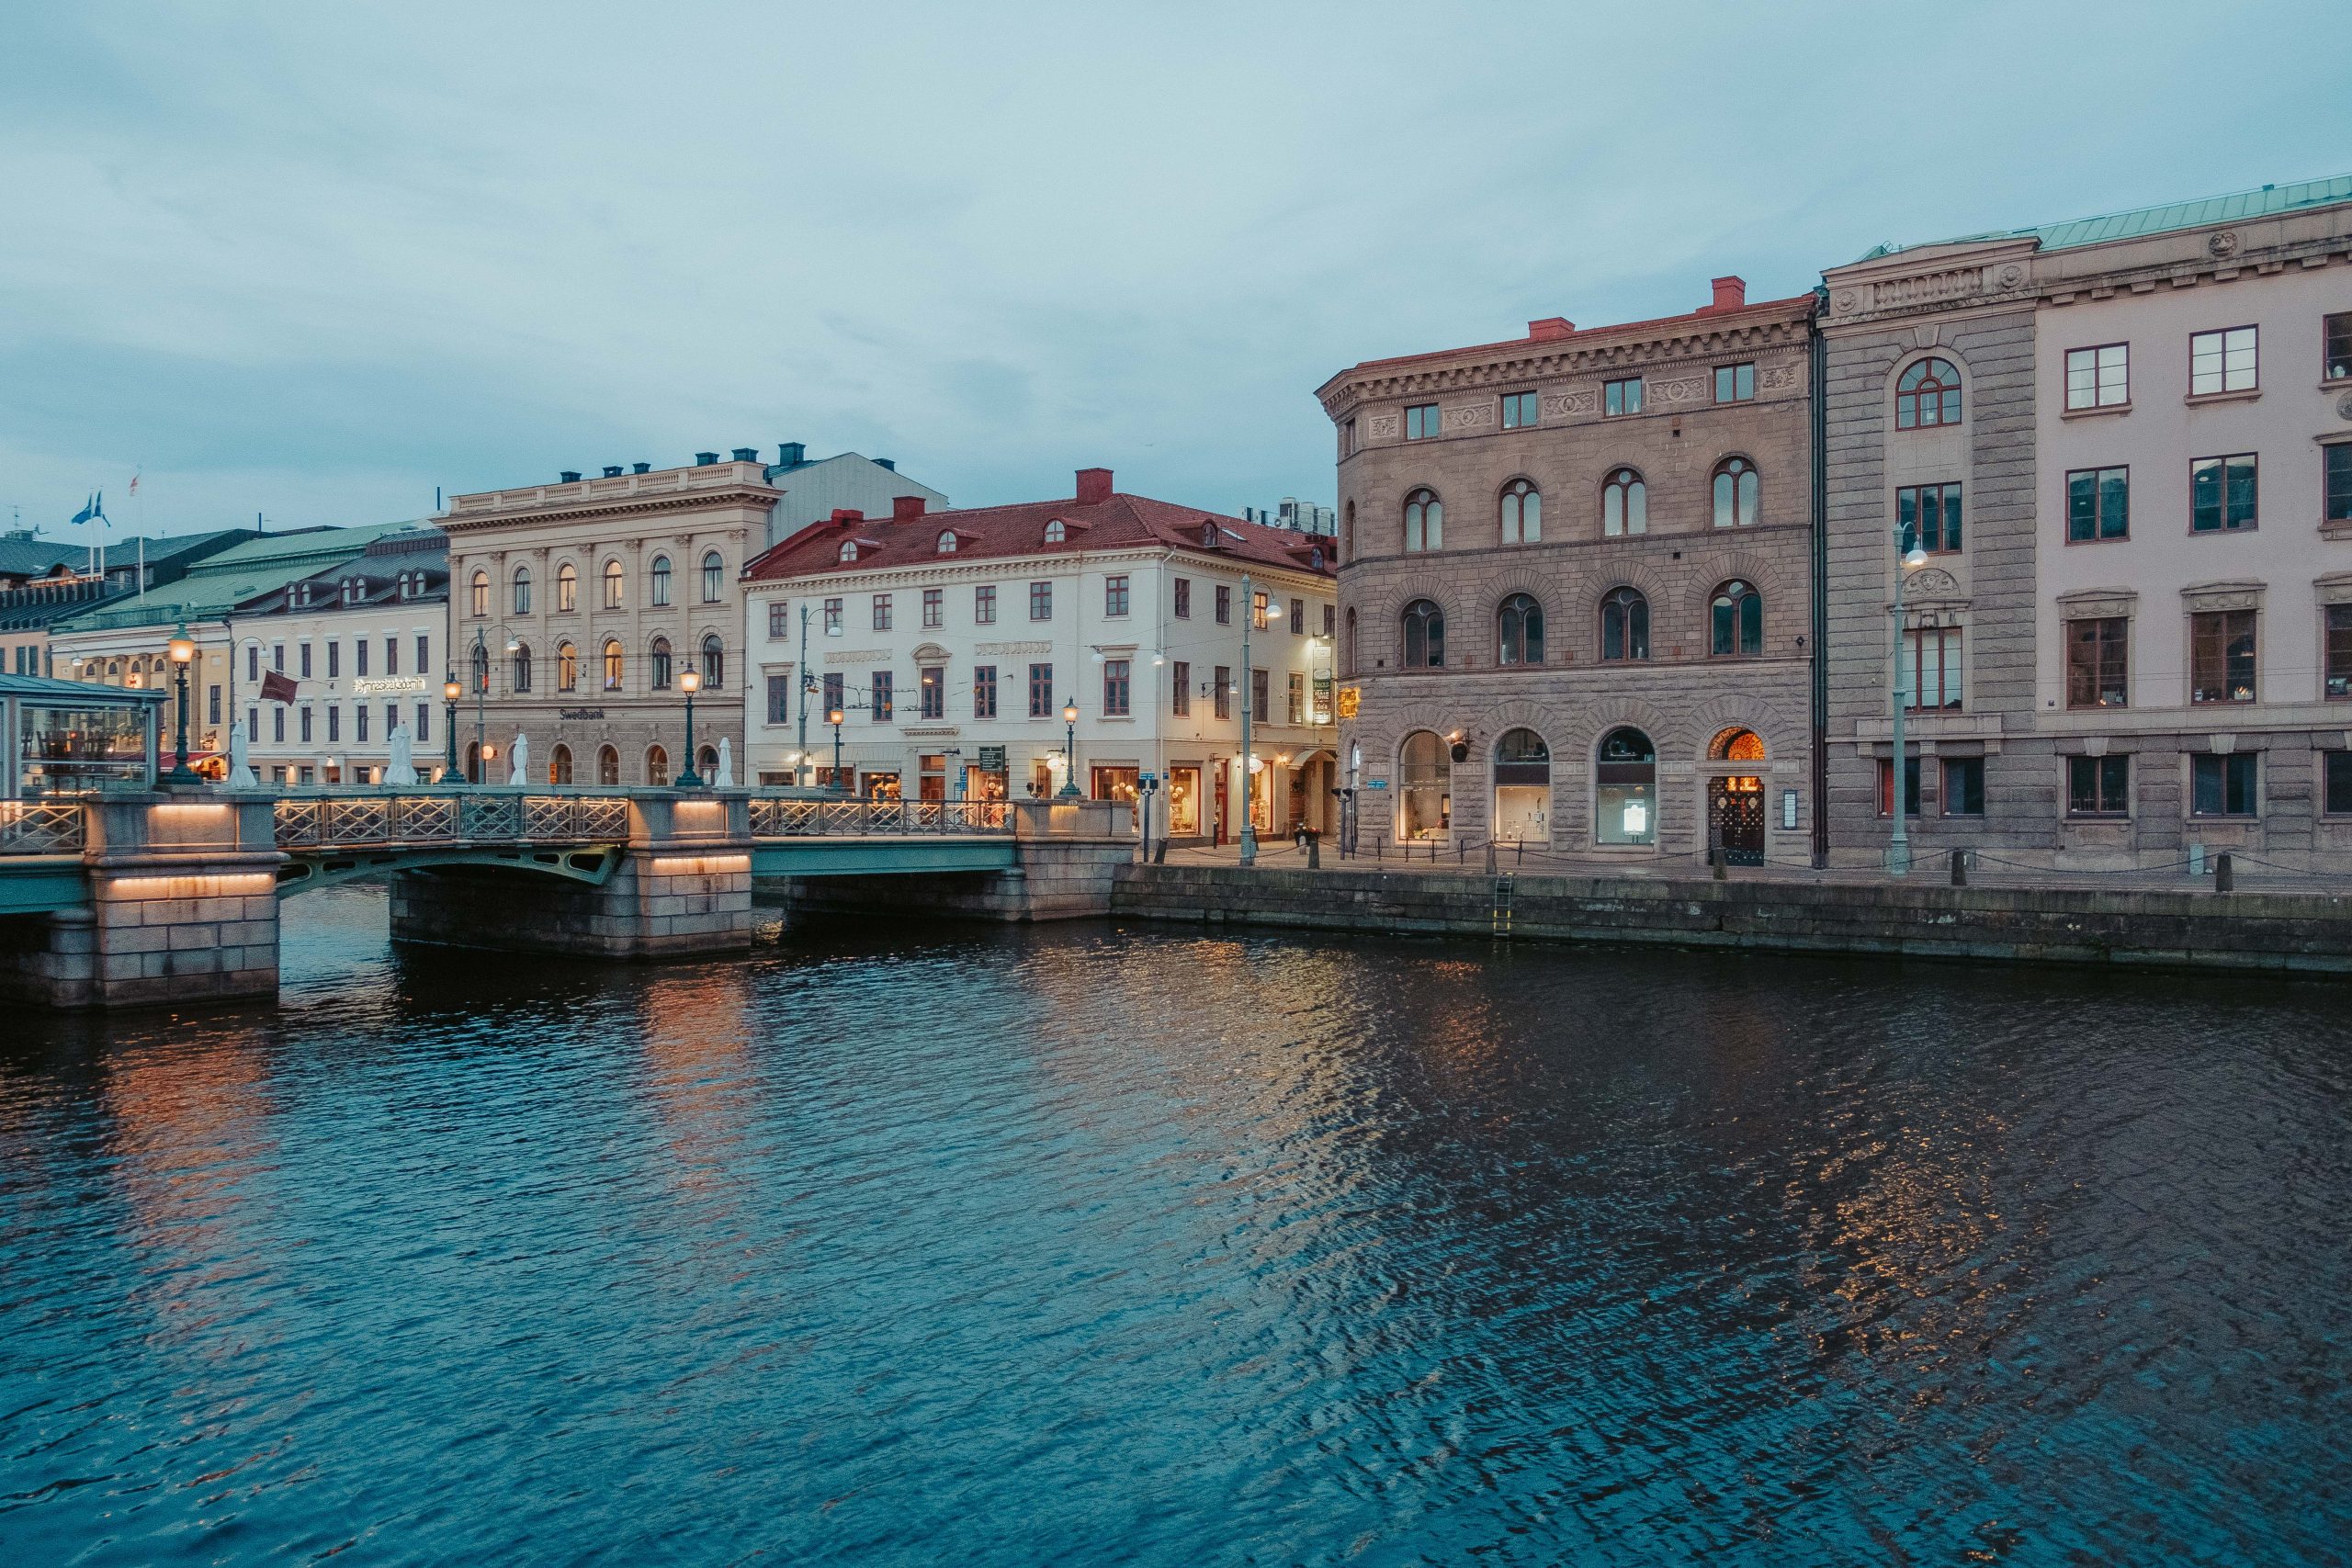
1625, 789
1735, 799
608, 766
707, 764
1424, 786
473, 762
559, 765
657, 766
1522, 788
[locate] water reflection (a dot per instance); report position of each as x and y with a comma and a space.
905, 1247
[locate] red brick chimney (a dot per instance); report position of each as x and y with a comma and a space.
1550, 327
906, 508
1731, 294
848, 515
1093, 486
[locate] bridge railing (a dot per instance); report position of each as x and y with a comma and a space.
42, 828
775, 818
341, 821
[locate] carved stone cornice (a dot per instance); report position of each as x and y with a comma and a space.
1932, 281
646, 506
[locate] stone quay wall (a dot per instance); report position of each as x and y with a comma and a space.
1068, 854
2301, 932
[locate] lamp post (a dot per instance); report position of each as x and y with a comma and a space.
1069, 752
1898, 849
450, 692
690, 682
183, 649
833, 718
1248, 684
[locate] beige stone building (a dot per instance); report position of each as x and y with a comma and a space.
1576, 587
576, 609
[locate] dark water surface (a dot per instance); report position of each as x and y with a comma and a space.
1079, 1246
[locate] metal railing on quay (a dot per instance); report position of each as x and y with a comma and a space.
42, 828
788, 817
327, 821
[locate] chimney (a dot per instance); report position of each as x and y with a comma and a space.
640, 467
612, 470
890, 463
790, 452
1550, 327
906, 508
848, 516
705, 459
571, 477
746, 454
1731, 294
1093, 486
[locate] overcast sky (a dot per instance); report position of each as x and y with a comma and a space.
313, 261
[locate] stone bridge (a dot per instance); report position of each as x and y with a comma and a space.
174, 897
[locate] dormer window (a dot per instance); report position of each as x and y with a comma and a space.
1054, 532
1208, 534
1315, 557
849, 549
948, 542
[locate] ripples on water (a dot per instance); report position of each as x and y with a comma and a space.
1082, 1246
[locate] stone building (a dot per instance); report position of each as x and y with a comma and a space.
2124, 447
1575, 588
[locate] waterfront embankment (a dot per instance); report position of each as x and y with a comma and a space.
2299, 931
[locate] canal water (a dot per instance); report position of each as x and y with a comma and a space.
1088, 1245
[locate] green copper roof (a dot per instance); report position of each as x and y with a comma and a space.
217, 586
2236, 207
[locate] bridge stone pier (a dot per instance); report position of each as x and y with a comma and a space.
1060, 864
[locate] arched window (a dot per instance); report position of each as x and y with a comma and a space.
567, 668
1735, 493
566, 589
707, 764
1624, 625
849, 549
522, 666
1519, 627
1736, 621
1424, 636
614, 664
714, 577
1928, 394
1736, 746
1054, 532
478, 600
482, 668
612, 585
1522, 788
659, 656
522, 590
657, 581
1625, 789
608, 765
1523, 512
1624, 504
948, 541
1424, 785
1424, 521
559, 765
657, 765
714, 663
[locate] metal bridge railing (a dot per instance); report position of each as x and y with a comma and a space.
775, 818
336, 822
41, 828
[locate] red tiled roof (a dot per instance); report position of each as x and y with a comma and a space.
1118, 522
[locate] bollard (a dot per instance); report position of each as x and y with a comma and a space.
1960, 868
1718, 864
1159, 855
1490, 857
2225, 876
1314, 852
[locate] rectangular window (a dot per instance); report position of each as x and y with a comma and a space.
835, 699
1735, 383
1181, 675
935, 608
1184, 597
881, 612
424, 723
1040, 600
1114, 688
2339, 651
2220, 656
391, 658
359, 722
832, 617
424, 655
1224, 693
2335, 347
1256, 611
2097, 662
334, 721
335, 661
1114, 595
392, 720
2336, 782
1297, 694
984, 604
1930, 671
360, 656
306, 722
2099, 378
1258, 705
1910, 786
2222, 787
1224, 606
2338, 462
881, 679
278, 722
1620, 397
1041, 690
779, 620
983, 691
212, 704
779, 699
1963, 786
2221, 493
2099, 786
2221, 362
930, 689
2098, 504
1298, 617
253, 664
1929, 517
305, 654
1420, 422
1330, 619
278, 657
1519, 410
1347, 437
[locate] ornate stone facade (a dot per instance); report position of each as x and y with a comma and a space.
1539, 411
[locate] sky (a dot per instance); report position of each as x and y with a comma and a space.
310, 263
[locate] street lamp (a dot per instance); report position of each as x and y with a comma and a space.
833, 718
450, 692
1069, 753
1898, 849
183, 649
690, 682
